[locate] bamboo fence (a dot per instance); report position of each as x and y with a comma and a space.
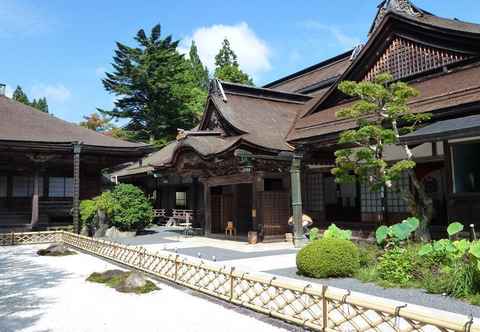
313, 306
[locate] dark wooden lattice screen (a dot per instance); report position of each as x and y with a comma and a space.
276, 211
216, 214
314, 196
404, 58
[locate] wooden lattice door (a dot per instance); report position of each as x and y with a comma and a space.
275, 207
216, 213
221, 211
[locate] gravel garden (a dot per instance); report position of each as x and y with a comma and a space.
82, 293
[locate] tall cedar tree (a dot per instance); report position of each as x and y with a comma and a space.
20, 96
153, 83
40, 104
382, 115
227, 68
199, 71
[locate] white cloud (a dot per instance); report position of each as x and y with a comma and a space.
252, 52
344, 40
55, 93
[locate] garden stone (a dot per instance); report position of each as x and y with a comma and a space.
135, 280
102, 224
57, 249
114, 233
84, 231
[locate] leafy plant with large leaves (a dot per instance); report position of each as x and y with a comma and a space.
154, 87
453, 249
393, 235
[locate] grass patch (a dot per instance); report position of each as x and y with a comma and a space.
116, 279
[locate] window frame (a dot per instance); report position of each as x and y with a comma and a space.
67, 191
184, 199
451, 155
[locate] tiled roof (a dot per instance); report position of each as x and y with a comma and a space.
19, 122
307, 80
453, 128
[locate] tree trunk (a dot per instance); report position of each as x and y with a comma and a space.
422, 207
419, 203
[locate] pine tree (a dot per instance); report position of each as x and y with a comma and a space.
227, 67
154, 87
199, 71
20, 96
381, 108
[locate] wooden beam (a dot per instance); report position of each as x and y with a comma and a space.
229, 180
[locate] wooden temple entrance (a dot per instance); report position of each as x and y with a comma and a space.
232, 203
253, 202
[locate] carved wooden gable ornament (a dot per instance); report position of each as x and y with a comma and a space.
404, 58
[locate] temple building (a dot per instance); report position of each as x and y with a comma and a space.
48, 165
256, 148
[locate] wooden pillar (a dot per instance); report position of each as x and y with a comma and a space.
254, 204
257, 208
295, 175
35, 194
77, 147
208, 209
195, 198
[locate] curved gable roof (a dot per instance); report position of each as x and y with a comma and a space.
458, 38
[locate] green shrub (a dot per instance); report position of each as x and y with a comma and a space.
367, 274
105, 202
333, 232
474, 299
314, 234
397, 266
369, 254
131, 209
463, 279
328, 258
88, 209
436, 283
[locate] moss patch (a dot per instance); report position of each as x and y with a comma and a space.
116, 279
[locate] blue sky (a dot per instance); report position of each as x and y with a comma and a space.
61, 48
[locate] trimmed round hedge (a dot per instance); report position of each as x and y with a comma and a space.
326, 258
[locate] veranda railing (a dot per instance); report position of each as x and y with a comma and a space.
313, 306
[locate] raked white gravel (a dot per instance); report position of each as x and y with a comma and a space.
51, 294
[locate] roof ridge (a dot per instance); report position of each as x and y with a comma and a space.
279, 93
320, 65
